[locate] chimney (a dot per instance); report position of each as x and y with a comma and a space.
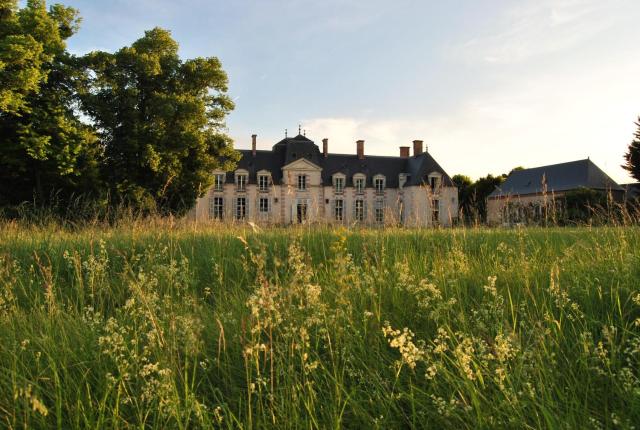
404, 152
253, 144
360, 148
325, 147
417, 147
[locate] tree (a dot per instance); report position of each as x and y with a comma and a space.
632, 157
21, 58
480, 192
45, 149
583, 204
464, 184
472, 197
161, 122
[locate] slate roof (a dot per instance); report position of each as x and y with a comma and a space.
291, 149
558, 177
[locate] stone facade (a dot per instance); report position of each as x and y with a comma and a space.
522, 209
293, 184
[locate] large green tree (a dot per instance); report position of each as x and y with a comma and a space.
472, 197
161, 122
21, 58
632, 157
45, 149
464, 185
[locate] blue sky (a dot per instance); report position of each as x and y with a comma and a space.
488, 85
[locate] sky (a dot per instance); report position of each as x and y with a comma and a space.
488, 85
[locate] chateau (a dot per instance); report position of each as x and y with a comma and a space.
296, 183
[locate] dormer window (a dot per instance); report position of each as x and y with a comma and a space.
434, 180
359, 182
302, 182
379, 184
218, 181
338, 184
241, 181
263, 182
402, 180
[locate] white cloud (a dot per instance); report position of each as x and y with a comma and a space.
540, 27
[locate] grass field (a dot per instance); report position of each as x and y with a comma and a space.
176, 327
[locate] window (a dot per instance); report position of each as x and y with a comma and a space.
218, 181
359, 210
302, 182
378, 183
241, 182
339, 209
263, 183
216, 209
435, 211
359, 185
241, 208
339, 184
379, 212
264, 204
402, 180
434, 181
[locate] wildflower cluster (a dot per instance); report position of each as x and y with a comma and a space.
402, 340
32, 399
282, 321
145, 333
427, 295
561, 297
9, 271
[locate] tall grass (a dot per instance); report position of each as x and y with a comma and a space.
172, 326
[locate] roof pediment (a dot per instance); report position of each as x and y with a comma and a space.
302, 164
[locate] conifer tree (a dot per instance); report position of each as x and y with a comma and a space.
632, 157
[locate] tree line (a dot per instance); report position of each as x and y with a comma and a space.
139, 127
472, 195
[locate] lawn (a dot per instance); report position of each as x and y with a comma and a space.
176, 326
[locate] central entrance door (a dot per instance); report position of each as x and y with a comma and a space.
301, 212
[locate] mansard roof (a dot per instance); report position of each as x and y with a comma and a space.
557, 177
293, 148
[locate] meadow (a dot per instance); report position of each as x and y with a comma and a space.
176, 326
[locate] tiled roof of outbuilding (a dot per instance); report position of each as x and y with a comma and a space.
558, 177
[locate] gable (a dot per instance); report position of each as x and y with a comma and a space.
302, 164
